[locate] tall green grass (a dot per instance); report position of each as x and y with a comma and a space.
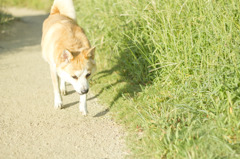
169, 70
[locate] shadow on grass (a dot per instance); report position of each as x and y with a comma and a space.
129, 89
107, 87
131, 65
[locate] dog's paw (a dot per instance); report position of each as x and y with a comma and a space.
84, 112
57, 102
64, 92
58, 105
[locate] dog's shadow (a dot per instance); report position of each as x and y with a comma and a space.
69, 104
70, 92
72, 103
102, 113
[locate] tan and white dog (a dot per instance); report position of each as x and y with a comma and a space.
67, 50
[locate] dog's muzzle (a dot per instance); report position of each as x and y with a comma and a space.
85, 91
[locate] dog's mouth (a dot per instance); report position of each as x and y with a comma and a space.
83, 92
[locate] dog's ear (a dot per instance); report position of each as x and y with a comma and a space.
91, 52
67, 55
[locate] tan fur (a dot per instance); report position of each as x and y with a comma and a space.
64, 44
54, 10
67, 35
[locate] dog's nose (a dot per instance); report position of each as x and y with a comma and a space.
84, 91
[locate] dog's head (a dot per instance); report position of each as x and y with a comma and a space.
77, 68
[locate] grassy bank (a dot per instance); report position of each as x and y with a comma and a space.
5, 18
35, 4
169, 70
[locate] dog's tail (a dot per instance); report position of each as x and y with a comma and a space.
64, 7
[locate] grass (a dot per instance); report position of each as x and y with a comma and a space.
35, 4
5, 18
169, 70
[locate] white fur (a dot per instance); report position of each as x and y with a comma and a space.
79, 85
63, 87
66, 8
57, 96
65, 76
82, 83
78, 73
83, 104
57, 100
48, 50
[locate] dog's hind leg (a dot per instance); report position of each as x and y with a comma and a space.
83, 104
63, 87
55, 82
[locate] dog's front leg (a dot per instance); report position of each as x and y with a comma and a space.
83, 104
63, 87
57, 96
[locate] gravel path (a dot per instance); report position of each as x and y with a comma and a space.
30, 127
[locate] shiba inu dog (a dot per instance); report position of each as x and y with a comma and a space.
69, 53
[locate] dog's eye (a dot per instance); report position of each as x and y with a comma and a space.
87, 75
75, 77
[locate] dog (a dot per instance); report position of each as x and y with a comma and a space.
68, 51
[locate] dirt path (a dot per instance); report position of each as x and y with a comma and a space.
30, 127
